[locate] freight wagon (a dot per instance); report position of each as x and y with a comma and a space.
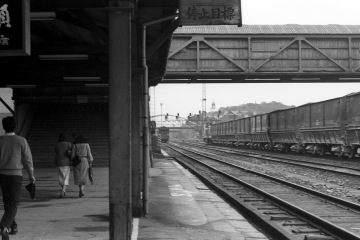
163, 133
331, 126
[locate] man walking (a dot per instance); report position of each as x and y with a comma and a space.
15, 154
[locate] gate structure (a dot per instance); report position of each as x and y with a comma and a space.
264, 53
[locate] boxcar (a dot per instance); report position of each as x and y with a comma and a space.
219, 133
328, 126
243, 137
259, 131
351, 126
282, 130
231, 129
225, 133
320, 126
164, 134
214, 133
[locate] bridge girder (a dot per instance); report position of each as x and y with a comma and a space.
264, 58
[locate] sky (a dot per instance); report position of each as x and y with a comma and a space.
187, 98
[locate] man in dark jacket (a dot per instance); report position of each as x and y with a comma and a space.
15, 154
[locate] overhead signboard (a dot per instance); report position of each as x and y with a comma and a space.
14, 28
82, 99
210, 12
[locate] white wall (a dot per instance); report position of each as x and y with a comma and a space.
6, 95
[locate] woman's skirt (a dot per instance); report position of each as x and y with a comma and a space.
64, 174
81, 173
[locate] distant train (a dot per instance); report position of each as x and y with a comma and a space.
331, 126
163, 133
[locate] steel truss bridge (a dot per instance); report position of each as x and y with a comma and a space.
264, 53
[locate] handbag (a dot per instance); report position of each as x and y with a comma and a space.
31, 189
76, 160
68, 152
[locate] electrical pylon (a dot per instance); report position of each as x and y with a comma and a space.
204, 99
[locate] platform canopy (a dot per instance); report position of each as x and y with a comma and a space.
69, 43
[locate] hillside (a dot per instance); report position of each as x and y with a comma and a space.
250, 109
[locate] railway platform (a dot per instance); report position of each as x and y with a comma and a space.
181, 207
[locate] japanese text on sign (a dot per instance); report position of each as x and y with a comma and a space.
199, 13
4, 40
210, 12
14, 28
4, 21
4, 16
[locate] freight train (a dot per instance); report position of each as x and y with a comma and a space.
330, 126
164, 134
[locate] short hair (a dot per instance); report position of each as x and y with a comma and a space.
81, 139
63, 137
9, 124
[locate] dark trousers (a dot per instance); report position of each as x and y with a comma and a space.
11, 188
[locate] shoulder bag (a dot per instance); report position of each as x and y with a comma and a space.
77, 158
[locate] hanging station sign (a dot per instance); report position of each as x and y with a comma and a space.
210, 12
14, 28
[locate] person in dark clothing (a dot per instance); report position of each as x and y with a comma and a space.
15, 154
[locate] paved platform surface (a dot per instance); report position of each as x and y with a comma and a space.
48, 217
180, 207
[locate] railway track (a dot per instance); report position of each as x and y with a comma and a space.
328, 166
288, 211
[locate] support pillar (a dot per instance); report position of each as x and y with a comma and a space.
136, 151
120, 123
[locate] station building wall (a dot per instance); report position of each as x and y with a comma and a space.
6, 94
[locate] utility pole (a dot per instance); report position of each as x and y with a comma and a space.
161, 115
213, 107
203, 115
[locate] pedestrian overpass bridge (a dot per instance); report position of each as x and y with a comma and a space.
264, 53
